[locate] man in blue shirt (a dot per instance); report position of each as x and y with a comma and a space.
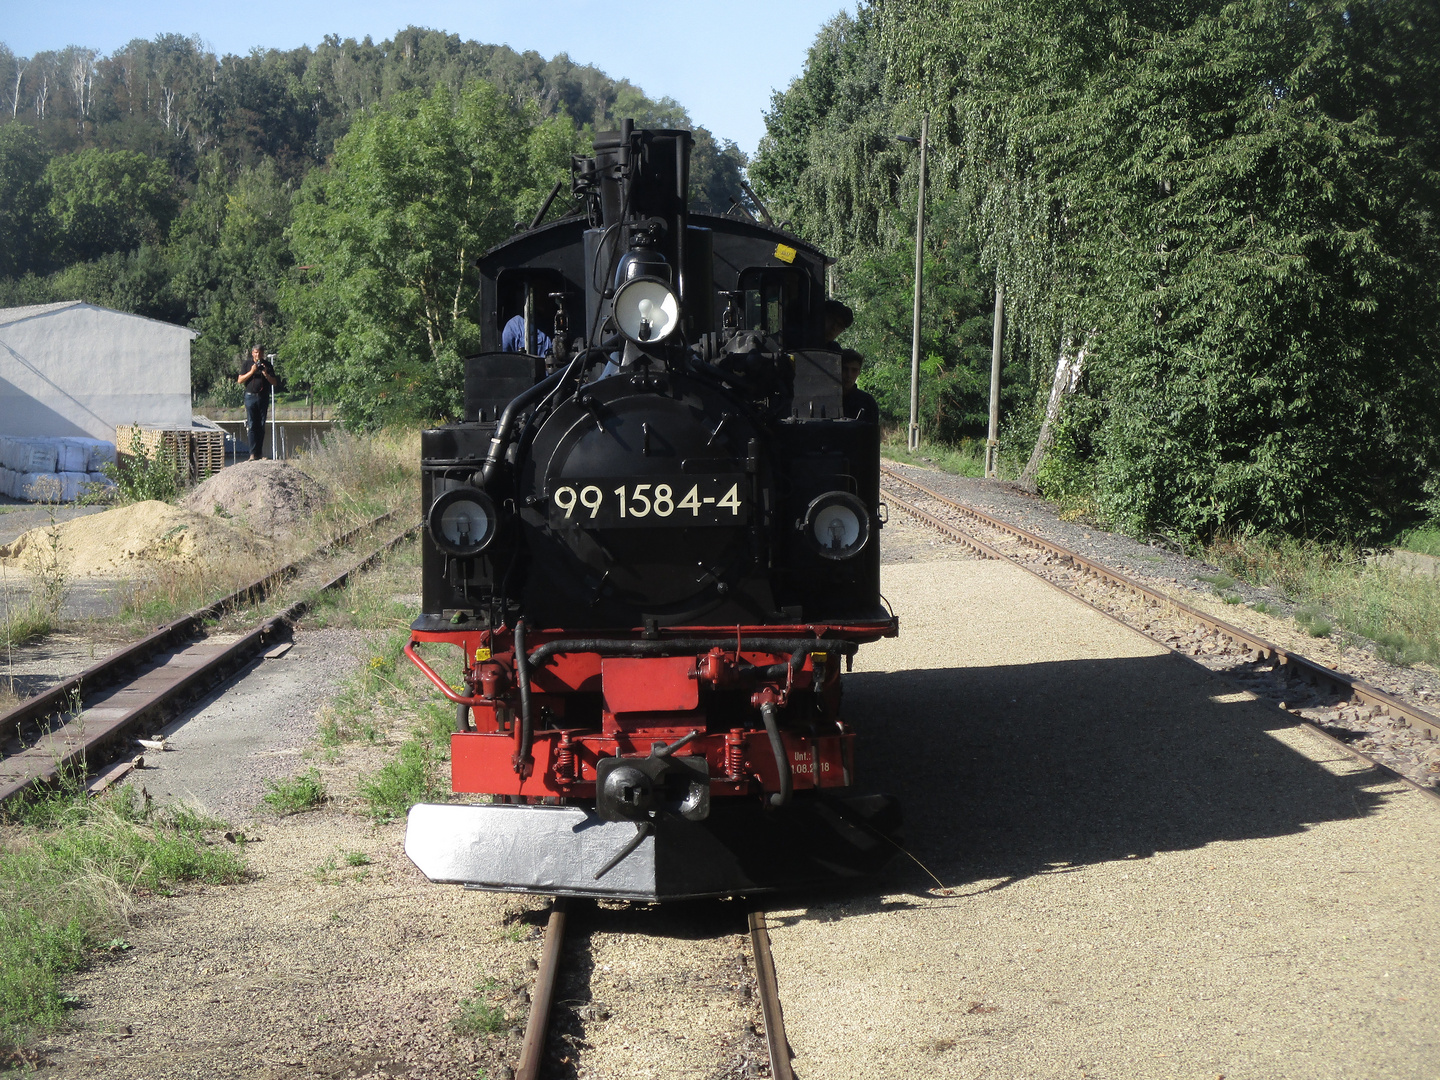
512, 339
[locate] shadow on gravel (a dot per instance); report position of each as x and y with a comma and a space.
1010, 772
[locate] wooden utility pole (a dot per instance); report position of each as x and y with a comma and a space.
997, 344
914, 434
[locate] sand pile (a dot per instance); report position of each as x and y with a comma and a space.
271, 497
132, 539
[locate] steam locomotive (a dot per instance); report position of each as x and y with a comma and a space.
655, 548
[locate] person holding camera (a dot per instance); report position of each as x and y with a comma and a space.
257, 379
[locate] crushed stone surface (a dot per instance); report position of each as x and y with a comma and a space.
274, 498
134, 539
1144, 872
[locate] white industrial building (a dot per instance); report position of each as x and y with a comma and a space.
74, 369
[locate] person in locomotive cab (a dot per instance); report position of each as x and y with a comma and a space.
837, 318
512, 338
257, 379
857, 403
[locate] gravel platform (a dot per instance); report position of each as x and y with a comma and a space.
1146, 873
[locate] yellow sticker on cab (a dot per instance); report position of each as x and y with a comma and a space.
785, 253
482, 654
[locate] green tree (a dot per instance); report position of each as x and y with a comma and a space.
229, 256
830, 163
24, 217
104, 201
382, 308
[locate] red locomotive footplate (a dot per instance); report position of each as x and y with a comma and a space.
480, 762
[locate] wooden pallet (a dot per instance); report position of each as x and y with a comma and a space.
201, 451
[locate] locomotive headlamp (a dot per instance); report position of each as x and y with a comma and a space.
462, 521
646, 310
838, 524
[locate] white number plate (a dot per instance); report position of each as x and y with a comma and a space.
682, 501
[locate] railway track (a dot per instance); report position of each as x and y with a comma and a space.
1358, 717
73, 724
532, 1064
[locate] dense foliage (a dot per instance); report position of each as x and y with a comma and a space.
1231, 206
391, 232
163, 179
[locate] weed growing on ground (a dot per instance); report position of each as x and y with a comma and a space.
175, 590
1220, 581
295, 795
69, 868
1263, 608
144, 475
367, 475
966, 459
369, 601
1425, 541
1312, 622
1232, 598
416, 774
477, 1016
1397, 610
24, 624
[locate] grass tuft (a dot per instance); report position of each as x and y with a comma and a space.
1425, 541
966, 459
1220, 581
413, 776
1313, 623
477, 1016
68, 873
295, 795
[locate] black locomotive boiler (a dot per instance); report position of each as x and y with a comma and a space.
656, 547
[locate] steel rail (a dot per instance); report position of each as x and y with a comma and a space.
60, 750
775, 1041
1311, 671
57, 698
532, 1050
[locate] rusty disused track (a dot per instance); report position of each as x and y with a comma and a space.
1302, 667
92, 710
542, 998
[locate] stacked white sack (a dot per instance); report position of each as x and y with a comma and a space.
31, 455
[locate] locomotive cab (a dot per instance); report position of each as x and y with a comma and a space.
655, 547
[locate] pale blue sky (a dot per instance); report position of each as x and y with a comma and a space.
720, 60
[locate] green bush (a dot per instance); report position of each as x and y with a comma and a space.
148, 476
226, 393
